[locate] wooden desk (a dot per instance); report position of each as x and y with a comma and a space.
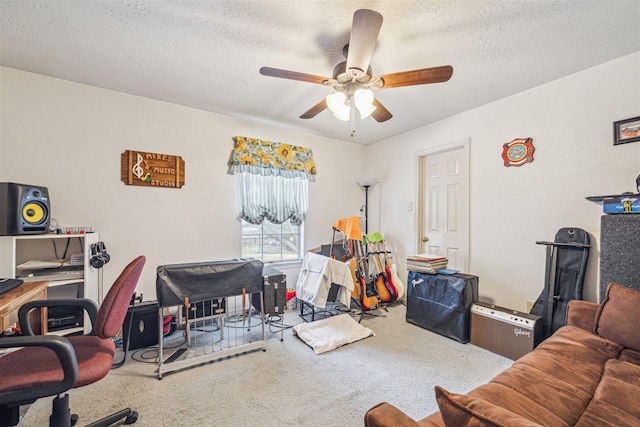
10, 303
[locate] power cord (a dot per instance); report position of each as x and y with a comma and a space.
141, 354
132, 305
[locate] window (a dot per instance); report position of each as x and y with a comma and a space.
272, 242
272, 214
273, 193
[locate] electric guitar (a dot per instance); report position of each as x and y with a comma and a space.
368, 295
385, 293
386, 272
392, 272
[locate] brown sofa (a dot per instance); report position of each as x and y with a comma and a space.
586, 374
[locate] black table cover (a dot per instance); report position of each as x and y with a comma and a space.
206, 280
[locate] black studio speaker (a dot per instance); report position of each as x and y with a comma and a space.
24, 209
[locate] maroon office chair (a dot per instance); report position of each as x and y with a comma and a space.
50, 365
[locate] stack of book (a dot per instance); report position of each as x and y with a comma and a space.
426, 263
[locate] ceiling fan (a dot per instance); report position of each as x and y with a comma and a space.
353, 78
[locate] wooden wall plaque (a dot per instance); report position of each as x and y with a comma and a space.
152, 169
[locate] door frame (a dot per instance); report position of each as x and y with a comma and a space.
419, 174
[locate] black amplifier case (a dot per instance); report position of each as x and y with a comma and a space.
205, 308
508, 333
274, 289
441, 303
144, 328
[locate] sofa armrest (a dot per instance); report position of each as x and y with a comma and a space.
386, 415
582, 314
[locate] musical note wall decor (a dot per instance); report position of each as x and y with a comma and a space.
152, 169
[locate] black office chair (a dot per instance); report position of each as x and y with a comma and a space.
50, 365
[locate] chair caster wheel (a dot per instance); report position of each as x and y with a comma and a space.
74, 419
131, 418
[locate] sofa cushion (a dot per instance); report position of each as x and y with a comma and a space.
582, 314
629, 355
615, 401
617, 318
460, 410
573, 355
568, 366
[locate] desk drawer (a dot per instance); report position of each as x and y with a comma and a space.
10, 318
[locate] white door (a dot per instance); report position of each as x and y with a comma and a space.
444, 204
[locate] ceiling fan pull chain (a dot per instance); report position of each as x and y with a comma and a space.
352, 112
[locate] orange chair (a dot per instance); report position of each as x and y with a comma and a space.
50, 365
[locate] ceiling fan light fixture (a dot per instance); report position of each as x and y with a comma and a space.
364, 102
363, 97
337, 103
366, 111
342, 114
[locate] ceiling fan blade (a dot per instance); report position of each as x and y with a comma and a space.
364, 35
292, 75
315, 110
417, 77
381, 114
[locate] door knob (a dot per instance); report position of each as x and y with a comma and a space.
425, 239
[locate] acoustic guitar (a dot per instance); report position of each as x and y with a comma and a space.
353, 266
368, 294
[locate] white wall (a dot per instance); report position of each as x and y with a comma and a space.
69, 137
570, 121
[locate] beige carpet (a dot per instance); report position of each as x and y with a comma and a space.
288, 385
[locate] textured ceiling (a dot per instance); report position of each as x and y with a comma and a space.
207, 54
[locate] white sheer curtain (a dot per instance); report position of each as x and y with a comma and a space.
273, 180
272, 197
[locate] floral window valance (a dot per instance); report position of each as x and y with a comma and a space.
271, 158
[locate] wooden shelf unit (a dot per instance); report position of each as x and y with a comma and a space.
16, 250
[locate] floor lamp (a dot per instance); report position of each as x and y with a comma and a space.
366, 184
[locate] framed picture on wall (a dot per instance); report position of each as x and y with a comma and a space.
626, 131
